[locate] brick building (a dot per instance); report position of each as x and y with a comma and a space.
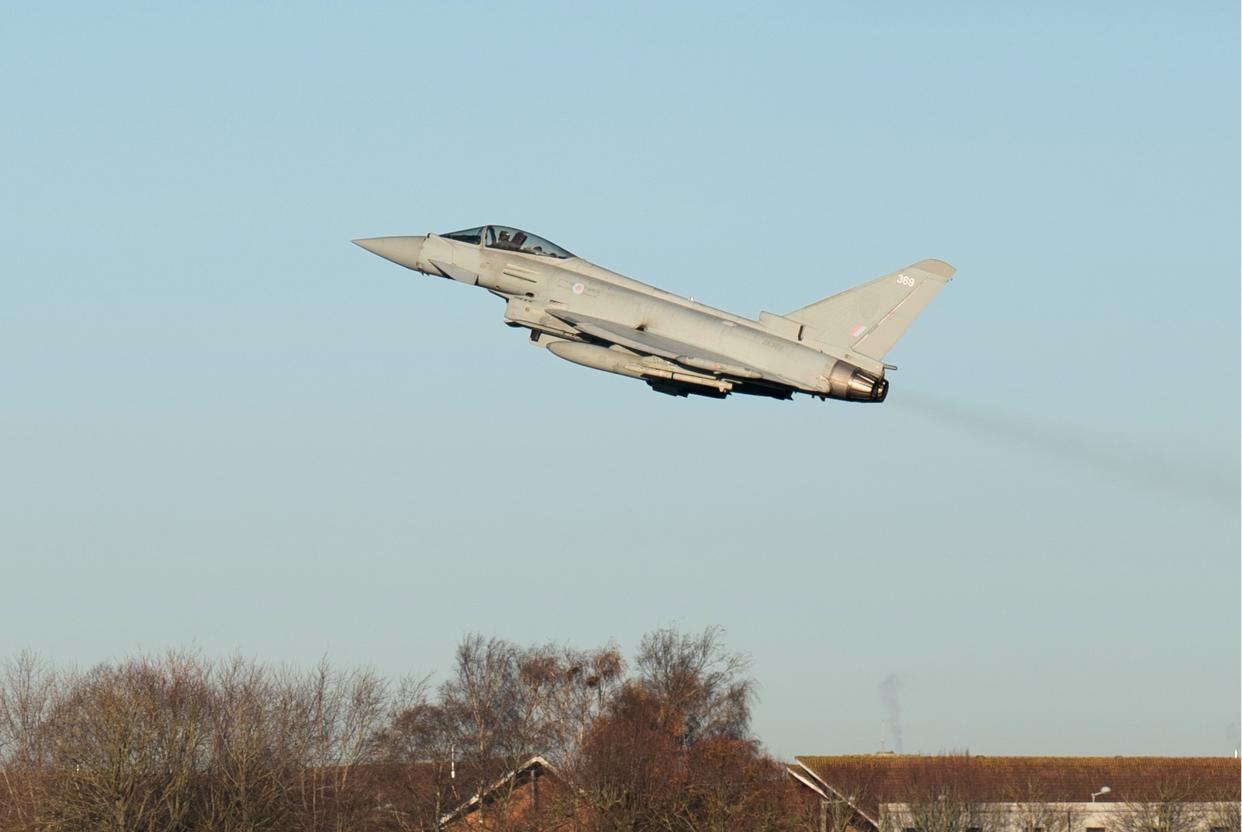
916, 793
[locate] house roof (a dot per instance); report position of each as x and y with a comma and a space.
871, 780
535, 766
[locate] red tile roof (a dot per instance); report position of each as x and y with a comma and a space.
893, 778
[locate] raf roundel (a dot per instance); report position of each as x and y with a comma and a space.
578, 287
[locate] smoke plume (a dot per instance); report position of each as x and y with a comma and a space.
890, 690
1127, 465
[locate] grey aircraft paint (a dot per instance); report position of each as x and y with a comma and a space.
833, 348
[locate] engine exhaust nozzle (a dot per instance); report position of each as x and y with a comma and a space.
852, 384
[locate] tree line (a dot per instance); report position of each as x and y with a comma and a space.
181, 742
661, 741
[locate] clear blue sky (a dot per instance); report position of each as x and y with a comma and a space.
221, 424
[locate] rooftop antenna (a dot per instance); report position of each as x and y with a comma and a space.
881, 736
1103, 790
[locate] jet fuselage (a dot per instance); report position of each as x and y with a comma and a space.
601, 319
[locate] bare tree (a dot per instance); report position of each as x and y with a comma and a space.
1223, 815
28, 690
126, 745
836, 813
338, 715
568, 690
1172, 807
417, 749
700, 687
175, 743
253, 767
1033, 815
487, 715
944, 798
482, 699
1031, 809
731, 784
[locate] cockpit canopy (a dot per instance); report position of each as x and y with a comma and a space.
509, 239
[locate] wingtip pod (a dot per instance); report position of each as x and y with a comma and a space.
939, 268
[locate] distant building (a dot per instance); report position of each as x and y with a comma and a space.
951, 793
515, 801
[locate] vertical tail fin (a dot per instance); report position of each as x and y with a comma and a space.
869, 318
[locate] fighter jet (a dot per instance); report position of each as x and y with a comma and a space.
832, 349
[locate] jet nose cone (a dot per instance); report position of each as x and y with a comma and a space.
404, 251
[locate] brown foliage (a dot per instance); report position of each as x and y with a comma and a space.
176, 742
126, 746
